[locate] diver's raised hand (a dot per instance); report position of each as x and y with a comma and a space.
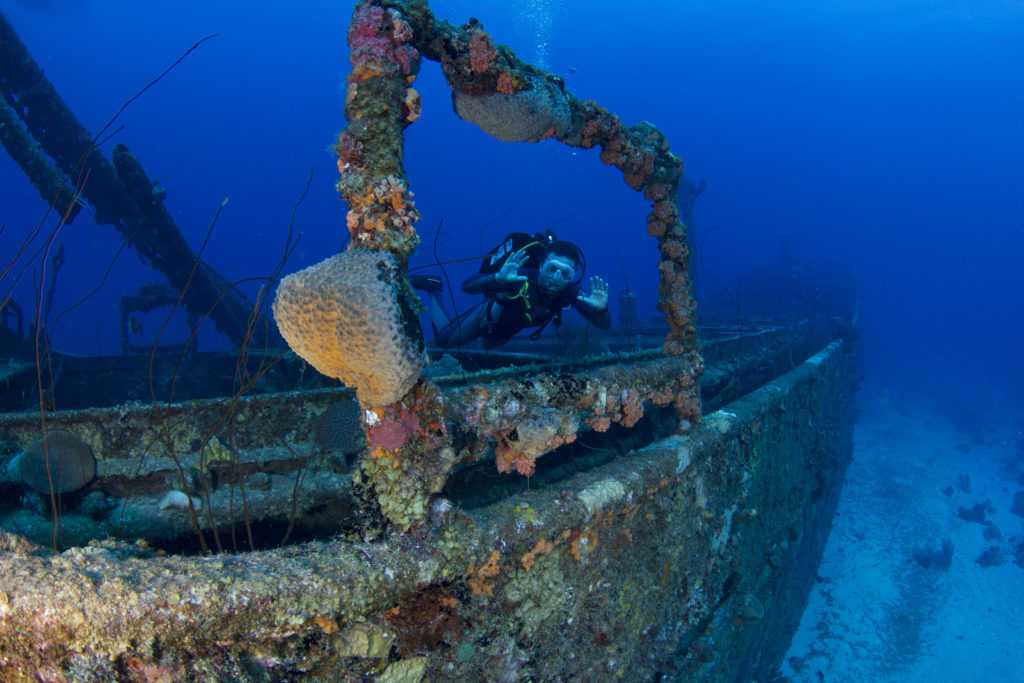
509, 273
598, 297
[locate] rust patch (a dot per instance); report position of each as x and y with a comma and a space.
542, 546
326, 624
425, 621
480, 581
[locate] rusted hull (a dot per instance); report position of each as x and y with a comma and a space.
266, 442
687, 560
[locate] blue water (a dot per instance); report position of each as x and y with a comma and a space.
883, 137
887, 136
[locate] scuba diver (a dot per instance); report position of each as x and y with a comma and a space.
526, 281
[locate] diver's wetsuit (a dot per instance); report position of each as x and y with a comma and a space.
522, 305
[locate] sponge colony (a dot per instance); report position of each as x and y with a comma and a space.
529, 115
69, 460
348, 316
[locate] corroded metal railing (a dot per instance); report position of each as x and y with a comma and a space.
513, 101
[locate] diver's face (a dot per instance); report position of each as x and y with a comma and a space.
556, 273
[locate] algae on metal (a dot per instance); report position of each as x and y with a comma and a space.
276, 440
661, 576
511, 100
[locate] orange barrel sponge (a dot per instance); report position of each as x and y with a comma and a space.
353, 318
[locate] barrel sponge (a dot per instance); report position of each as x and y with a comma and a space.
351, 318
64, 462
529, 115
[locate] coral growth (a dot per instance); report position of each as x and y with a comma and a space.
520, 421
542, 547
409, 455
378, 44
540, 594
481, 51
378, 104
687, 404
507, 83
533, 437
481, 579
381, 216
641, 153
426, 621
412, 105
632, 407
612, 404
215, 453
392, 431
584, 544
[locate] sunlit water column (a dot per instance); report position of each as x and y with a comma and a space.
539, 14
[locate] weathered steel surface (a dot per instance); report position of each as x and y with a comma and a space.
282, 453
689, 560
266, 419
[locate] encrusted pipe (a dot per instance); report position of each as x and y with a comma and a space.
353, 316
379, 103
52, 185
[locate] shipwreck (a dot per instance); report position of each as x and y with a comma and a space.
652, 511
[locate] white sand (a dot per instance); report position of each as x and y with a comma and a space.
875, 614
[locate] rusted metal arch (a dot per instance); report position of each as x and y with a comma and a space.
386, 40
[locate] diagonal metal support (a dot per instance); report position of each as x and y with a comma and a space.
120, 193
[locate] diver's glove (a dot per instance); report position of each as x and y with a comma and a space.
598, 297
509, 275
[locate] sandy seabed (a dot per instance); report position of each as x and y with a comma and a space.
877, 615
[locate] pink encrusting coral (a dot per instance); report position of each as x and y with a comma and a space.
349, 149
367, 39
381, 213
407, 58
481, 52
393, 430
401, 31
377, 41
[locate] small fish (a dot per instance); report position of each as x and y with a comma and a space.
159, 193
